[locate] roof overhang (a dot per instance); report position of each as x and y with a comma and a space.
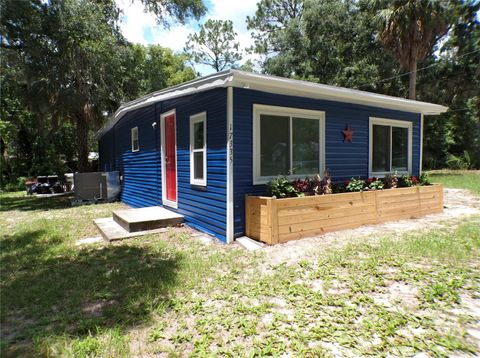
279, 85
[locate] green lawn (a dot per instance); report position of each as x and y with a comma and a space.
457, 179
169, 294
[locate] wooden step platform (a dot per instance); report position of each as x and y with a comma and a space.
137, 222
150, 218
111, 231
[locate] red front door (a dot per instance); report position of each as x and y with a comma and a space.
170, 158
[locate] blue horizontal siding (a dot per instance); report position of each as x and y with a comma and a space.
344, 160
140, 170
106, 152
203, 208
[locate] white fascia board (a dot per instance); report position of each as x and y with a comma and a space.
319, 91
220, 79
279, 85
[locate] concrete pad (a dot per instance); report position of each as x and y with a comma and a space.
89, 240
148, 218
249, 244
111, 231
204, 239
53, 195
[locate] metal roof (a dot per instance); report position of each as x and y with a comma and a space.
279, 85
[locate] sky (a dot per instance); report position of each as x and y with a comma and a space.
140, 27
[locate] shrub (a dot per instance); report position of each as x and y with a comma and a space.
339, 188
16, 186
390, 181
302, 185
460, 162
375, 184
408, 181
317, 185
424, 179
280, 187
355, 184
327, 183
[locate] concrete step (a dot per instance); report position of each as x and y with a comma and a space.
111, 231
142, 219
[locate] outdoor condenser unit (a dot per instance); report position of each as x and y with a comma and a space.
104, 186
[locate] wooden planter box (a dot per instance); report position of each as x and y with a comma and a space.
280, 220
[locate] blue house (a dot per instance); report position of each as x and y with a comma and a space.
198, 148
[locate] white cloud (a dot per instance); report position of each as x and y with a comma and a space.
236, 11
140, 27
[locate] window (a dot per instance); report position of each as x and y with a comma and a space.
135, 145
198, 149
390, 146
287, 141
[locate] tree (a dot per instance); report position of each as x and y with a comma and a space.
214, 45
180, 10
410, 29
151, 68
71, 54
277, 30
453, 80
330, 41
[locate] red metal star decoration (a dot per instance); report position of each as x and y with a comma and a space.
347, 134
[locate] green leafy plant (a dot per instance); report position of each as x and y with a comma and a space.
16, 186
280, 187
355, 184
338, 188
375, 184
407, 181
460, 161
424, 179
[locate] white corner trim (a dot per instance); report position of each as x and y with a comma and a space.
420, 165
391, 123
259, 109
194, 119
134, 133
165, 201
230, 207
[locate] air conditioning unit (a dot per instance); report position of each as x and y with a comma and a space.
96, 186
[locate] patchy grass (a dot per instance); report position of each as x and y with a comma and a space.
168, 294
459, 179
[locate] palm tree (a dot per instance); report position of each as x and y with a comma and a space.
410, 29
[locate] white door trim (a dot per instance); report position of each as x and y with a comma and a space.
165, 201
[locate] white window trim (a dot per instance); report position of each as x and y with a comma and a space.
134, 130
198, 118
391, 123
165, 201
259, 109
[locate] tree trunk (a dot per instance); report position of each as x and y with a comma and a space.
412, 79
82, 141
